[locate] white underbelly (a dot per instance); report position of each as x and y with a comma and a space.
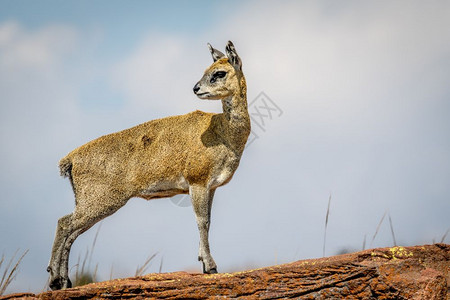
165, 188
223, 177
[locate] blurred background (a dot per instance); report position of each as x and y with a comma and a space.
349, 100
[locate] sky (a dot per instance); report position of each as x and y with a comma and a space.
349, 100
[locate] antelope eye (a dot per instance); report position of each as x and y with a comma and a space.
218, 74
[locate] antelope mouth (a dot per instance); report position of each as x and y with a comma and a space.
203, 95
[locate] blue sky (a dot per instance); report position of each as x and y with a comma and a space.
129, 19
364, 91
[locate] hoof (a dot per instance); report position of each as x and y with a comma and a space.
211, 271
60, 283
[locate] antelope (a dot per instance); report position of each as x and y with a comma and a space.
190, 154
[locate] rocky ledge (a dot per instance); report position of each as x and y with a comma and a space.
420, 272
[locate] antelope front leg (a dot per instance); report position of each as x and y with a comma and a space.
202, 201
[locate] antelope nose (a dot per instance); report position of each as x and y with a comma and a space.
196, 88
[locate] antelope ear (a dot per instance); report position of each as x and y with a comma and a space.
233, 57
216, 54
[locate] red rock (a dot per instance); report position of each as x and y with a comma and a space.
420, 272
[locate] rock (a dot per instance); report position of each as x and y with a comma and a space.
420, 272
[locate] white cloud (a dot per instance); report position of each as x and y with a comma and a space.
35, 94
311, 52
362, 89
7, 32
39, 117
41, 49
160, 73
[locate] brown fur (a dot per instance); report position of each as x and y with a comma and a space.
193, 153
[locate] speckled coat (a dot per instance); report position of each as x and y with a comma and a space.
193, 153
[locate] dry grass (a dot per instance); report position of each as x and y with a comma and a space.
83, 275
161, 264
141, 270
378, 228
392, 230
83, 270
364, 242
10, 272
444, 236
326, 225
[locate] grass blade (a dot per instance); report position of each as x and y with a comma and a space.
364, 242
93, 243
326, 225
12, 274
141, 270
1, 261
95, 273
111, 272
392, 230
444, 236
161, 264
378, 228
3, 282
